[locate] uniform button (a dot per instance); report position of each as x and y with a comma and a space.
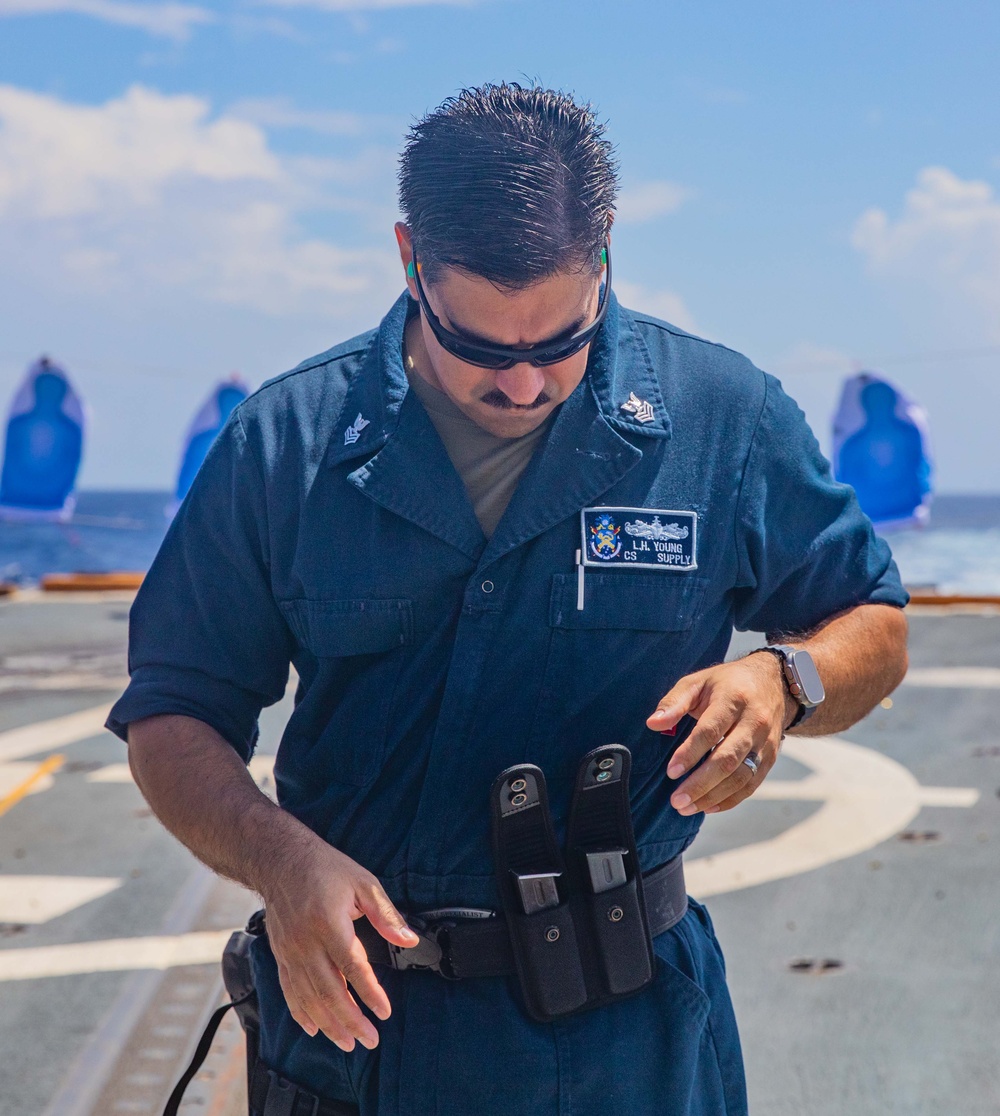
487, 586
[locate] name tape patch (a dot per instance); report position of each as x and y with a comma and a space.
641, 538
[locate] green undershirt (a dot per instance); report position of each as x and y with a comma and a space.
490, 467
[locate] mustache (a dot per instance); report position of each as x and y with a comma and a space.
496, 398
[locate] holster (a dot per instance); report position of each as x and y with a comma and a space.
577, 921
269, 1093
237, 976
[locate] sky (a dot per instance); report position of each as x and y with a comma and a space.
191, 189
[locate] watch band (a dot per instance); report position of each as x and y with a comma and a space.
805, 711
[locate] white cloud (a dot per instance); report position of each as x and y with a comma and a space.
280, 112
148, 197
60, 160
946, 241
806, 358
658, 303
648, 200
171, 20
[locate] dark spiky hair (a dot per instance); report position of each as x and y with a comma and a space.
509, 183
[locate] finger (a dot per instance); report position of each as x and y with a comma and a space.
737, 788
357, 971
746, 790
714, 722
675, 704
725, 763
334, 1008
302, 1017
309, 1009
382, 914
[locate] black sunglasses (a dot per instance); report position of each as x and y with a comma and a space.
497, 357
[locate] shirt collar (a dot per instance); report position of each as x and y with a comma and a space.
619, 370
370, 412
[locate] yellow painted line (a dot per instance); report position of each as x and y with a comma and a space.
46, 767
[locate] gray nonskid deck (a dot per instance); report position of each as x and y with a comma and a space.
865, 985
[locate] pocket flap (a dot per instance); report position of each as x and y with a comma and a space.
334, 629
666, 602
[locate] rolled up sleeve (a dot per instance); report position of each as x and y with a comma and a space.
806, 550
206, 638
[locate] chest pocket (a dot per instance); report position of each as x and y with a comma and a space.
666, 602
610, 663
334, 629
350, 673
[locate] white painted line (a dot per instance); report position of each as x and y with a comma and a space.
812, 788
866, 799
959, 678
261, 768
949, 796
88, 1072
44, 736
114, 955
35, 899
62, 682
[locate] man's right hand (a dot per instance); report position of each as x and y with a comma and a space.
202, 792
312, 902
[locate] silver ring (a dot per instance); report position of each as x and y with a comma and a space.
752, 761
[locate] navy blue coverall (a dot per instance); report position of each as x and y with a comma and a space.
430, 659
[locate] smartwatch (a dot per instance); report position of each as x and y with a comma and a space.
801, 678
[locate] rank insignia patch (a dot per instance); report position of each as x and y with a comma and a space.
643, 538
640, 408
353, 432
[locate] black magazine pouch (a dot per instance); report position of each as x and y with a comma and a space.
533, 890
605, 880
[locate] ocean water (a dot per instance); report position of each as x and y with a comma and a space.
109, 531
958, 552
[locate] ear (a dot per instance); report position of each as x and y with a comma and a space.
406, 255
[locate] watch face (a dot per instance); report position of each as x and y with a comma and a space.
807, 677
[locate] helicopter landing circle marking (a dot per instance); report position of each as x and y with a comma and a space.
866, 799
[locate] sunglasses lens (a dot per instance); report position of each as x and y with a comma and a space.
556, 356
471, 354
483, 356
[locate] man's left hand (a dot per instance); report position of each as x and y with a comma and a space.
741, 707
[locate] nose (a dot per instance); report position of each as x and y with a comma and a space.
522, 384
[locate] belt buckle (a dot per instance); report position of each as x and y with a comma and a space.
427, 954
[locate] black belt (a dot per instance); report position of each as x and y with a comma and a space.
459, 947
456, 943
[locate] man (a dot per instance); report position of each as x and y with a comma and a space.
514, 523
